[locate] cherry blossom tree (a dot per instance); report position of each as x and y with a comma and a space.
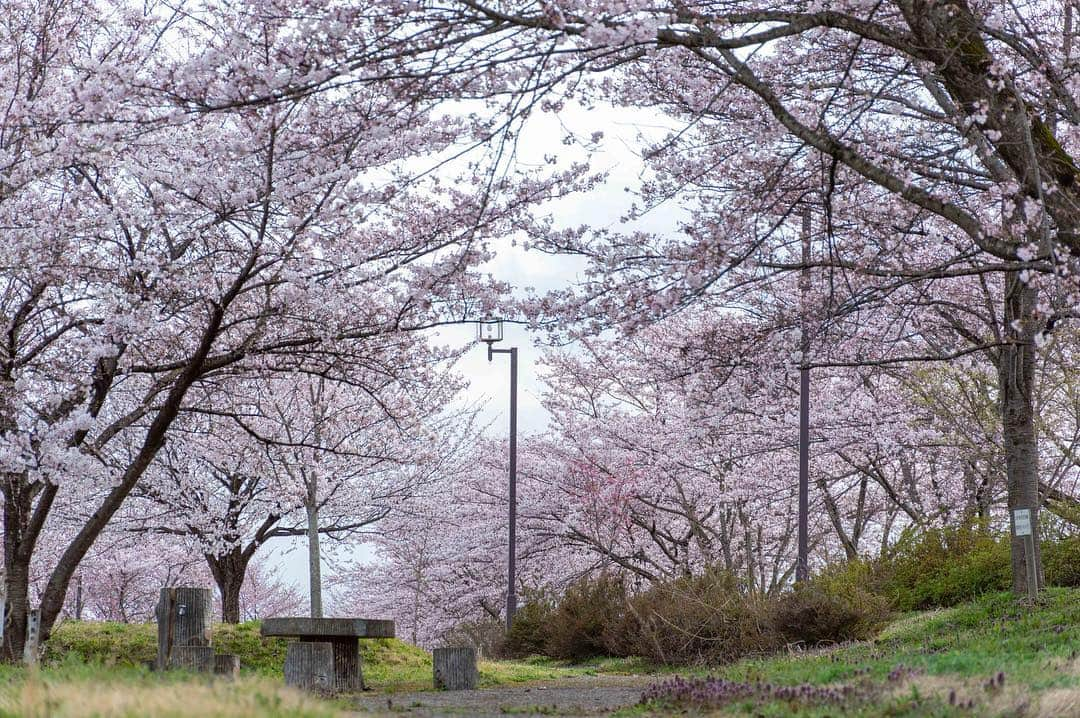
122, 575
152, 249
295, 456
441, 555
933, 141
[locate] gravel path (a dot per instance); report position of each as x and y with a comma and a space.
584, 696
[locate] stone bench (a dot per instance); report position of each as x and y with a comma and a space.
327, 656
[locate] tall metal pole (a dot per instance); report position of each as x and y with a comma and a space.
802, 567
511, 594
511, 551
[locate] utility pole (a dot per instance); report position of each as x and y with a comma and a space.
802, 567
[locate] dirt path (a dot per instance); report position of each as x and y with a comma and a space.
584, 696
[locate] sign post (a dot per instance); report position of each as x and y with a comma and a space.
1022, 529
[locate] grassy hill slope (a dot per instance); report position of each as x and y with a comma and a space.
990, 657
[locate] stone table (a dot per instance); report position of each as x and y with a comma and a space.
333, 666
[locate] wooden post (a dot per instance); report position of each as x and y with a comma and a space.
309, 665
227, 665
454, 668
33, 637
192, 658
184, 616
348, 675
314, 554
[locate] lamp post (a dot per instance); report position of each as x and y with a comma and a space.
490, 332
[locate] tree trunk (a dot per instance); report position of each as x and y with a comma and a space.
229, 571
314, 558
78, 599
1016, 383
16, 567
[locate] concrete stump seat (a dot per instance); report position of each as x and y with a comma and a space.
343, 636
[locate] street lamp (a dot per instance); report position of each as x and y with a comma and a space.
489, 332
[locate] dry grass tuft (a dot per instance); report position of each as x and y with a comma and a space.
40, 697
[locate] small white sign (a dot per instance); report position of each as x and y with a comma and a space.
1022, 522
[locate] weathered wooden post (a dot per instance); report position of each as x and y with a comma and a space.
192, 658
184, 619
33, 637
454, 668
227, 665
309, 665
78, 598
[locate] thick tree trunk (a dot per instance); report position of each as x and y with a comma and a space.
314, 559
229, 571
17, 553
1016, 383
18, 585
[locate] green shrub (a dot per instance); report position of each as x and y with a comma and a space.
697, 619
833, 607
1061, 562
944, 567
262, 655
133, 644
103, 642
582, 624
531, 629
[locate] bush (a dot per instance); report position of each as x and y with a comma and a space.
1061, 562
696, 619
104, 642
832, 607
259, 654
586, 617
531, 629
943, 567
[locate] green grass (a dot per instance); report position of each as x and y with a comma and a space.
388, 664
957, 649
95, 669
391, 666
132, 644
